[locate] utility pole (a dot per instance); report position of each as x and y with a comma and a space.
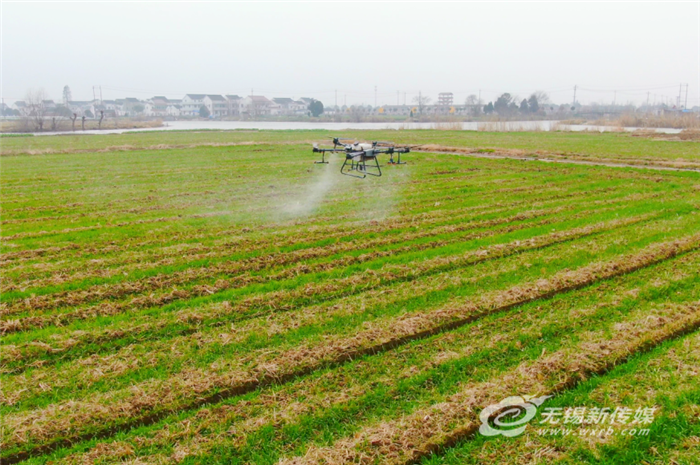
93, 93
680, 89
574, 103
100, 95
686, 96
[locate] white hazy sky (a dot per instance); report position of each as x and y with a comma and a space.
313, 49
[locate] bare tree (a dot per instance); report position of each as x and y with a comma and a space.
472, 103
355, 113
36, 108
73, 118
542, 97
422, 101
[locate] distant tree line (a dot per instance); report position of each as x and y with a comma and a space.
508, 105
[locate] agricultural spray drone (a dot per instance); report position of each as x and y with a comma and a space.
361, 157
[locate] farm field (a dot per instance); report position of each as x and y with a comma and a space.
215, 297
579, 146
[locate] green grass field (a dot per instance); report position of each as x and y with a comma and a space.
215, 297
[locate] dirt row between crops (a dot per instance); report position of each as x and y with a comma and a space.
149, 260
12, 353
240, 195
253, 264
288, 299
480, 152
148, 402
179, 217
430, 430
554, 157
76, 378
546, 195
134, 148
89, 356
180, 255
221, 250
196, 435
187, 329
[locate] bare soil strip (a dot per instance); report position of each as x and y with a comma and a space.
255, 264
195, 435
56, 426
288, 299
552, 157
433, 429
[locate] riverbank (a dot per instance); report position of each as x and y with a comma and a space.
67, 126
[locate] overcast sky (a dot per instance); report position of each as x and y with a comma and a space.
313, 49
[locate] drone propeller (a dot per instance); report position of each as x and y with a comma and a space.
341, 141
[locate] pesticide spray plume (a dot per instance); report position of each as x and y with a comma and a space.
311, 197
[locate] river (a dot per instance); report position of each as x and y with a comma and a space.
284, 125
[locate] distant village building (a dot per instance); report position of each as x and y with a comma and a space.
445, 98
216, 104
82, 108
132, 106
174, 106
156, 107
191, 103
111, 108
288, 106
256, 105
21, 107
234, 105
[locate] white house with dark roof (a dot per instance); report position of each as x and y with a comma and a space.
132, 106
21, 107
285, 106
191, 103
82, 107
217, 105
156, 106
174, 106
256, 105
234, 105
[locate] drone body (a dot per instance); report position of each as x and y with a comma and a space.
361, 157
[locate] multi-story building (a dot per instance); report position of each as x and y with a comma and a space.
217, 105
191, 103
157, 106
256, 105
445, 98
234, 105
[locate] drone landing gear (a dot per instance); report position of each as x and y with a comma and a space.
323, 159
360, 166
397, 161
